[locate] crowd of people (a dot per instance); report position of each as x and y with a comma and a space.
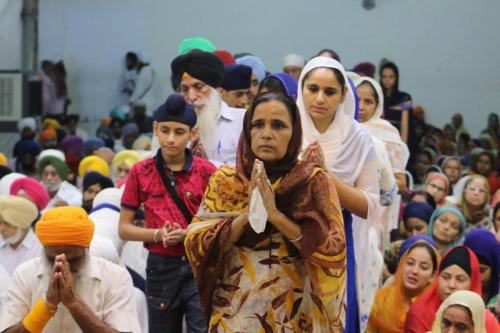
316, 199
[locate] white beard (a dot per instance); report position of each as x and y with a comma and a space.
16, 238
52, 187
207, 116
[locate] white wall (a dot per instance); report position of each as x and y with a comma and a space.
447, 50
10, 34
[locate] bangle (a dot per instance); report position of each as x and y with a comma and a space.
296, 239
155, 234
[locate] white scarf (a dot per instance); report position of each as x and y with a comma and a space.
381, 128
346, 145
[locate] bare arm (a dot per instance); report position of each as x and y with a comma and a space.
405, 119
401, 180
350, 197
290, 229
237, 228
128, 231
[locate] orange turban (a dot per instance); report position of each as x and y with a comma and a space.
66, 225
47, 134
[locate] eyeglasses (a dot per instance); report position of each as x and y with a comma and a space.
437, 188
475, 189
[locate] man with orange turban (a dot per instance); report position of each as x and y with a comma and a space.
48, 138
66, 289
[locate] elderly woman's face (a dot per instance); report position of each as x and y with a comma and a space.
437, 188
452, 170
271, 131
322, 94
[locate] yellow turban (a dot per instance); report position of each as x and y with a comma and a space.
68, 225
3, 160
93, 163
17, 211
49, 123
129, 157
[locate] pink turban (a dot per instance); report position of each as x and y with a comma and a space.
33, 189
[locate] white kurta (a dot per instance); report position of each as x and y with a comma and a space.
222, 150
29, 248
5, 281
104, 287
68, 193
145, 89
350, 155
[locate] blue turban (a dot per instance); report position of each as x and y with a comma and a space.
26, 146
130, 128
291, 86
420, 210
92, 144
257, 65
176, 109
484, 244
94, 177
407, 244
236, 77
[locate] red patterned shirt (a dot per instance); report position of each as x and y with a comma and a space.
145, 186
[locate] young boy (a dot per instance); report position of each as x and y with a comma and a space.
171, 187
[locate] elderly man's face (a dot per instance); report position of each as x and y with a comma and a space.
51, 179
195, 92
75, 255
11, 235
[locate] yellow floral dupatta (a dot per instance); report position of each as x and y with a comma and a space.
264, 283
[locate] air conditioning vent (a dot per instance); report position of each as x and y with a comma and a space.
11, 96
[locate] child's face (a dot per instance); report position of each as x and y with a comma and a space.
173, 137
415, 226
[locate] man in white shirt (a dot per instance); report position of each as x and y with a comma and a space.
128, 78
5, 281
17, 242
200, 75
53, 172
66, 289
145, 86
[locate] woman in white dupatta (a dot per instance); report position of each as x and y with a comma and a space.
371, 100
340, 145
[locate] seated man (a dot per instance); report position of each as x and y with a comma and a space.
93, 183
17, 241
53, 173
66, 289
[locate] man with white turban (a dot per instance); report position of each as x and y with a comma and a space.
293, 64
